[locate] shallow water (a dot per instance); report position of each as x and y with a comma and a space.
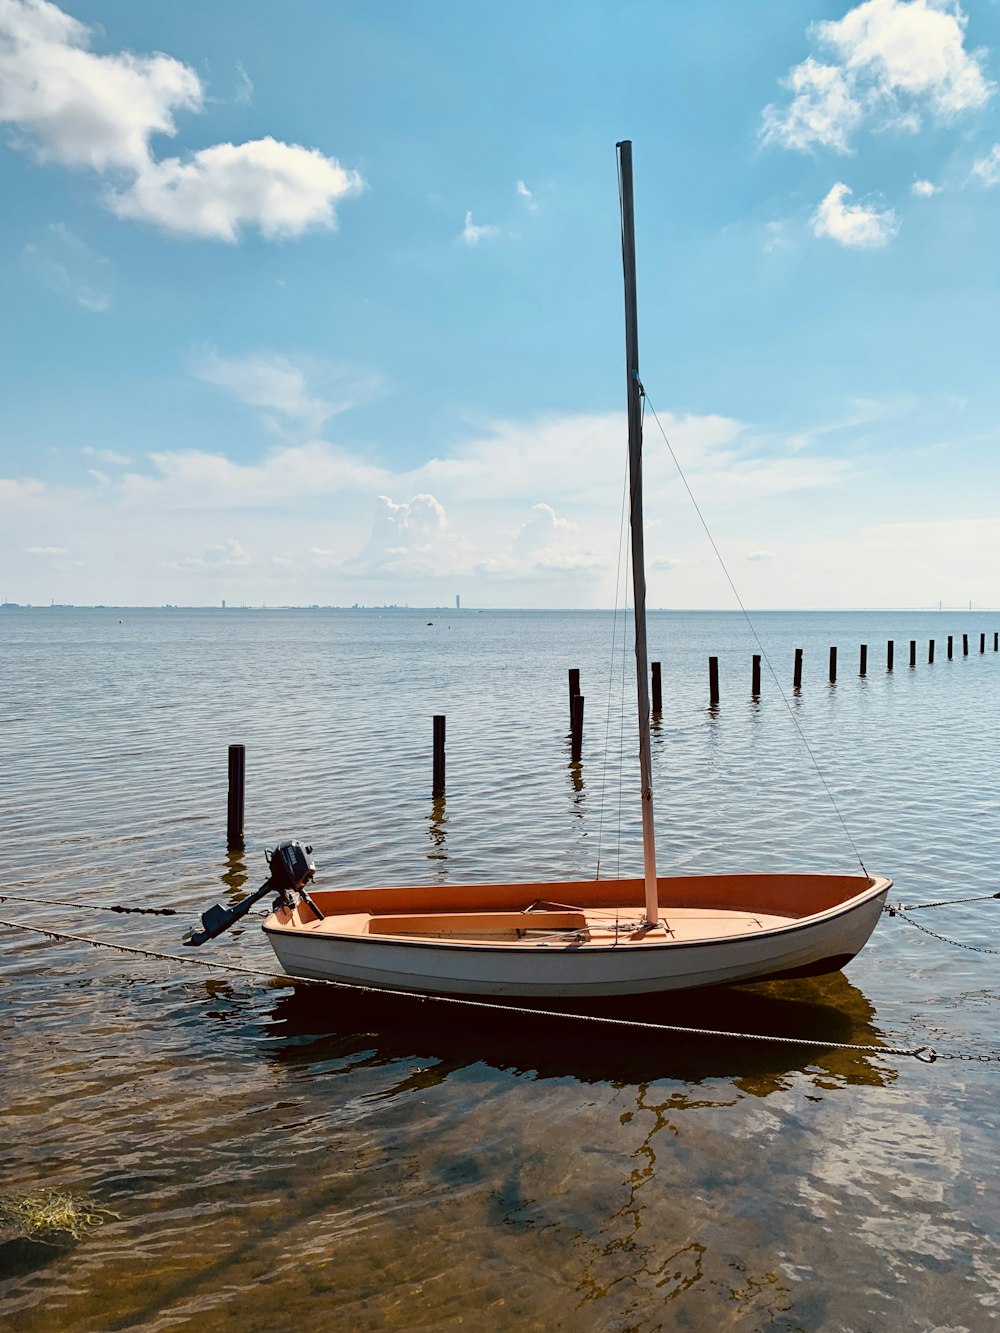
287, 1158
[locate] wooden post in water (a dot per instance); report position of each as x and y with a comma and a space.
982, 643
657, 689
237, 796
833, 666
930, 652
439, 730
576, 729
797, 673
713, 681
755, 679
965, 645
574, 689
913, 652
888, 655
863, 668
951, 646
996, 641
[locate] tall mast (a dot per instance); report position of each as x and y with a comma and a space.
638, 552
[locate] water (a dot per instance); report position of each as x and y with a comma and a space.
289, 1159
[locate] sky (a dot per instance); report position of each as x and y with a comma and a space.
321, 303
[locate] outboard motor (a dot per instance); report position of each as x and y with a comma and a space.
291, 870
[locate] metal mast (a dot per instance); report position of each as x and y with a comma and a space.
635, 518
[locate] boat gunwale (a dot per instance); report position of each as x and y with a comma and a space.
878, 886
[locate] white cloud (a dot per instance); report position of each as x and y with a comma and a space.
757, 556
472, 235
925, 189
279, 188
272, 383
107, 456
82, 109
411, 539
855, 225
244, 86
101, 112
69, 267
230, 555
887, 62
987, 168
46, 550
529, 199
823, 111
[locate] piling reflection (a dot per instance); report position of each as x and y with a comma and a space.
308, 1023
437, 830
235, 874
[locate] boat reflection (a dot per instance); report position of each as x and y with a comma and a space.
311, 1023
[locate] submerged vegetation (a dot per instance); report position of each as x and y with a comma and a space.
50, 1216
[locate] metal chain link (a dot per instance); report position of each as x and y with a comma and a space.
973, 948
893, 908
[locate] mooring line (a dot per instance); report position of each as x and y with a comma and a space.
926, 1054
91, 907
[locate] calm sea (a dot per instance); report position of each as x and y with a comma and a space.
290, 1158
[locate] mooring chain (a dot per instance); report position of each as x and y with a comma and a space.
973, 948
893, 908
926, 1054
92, 907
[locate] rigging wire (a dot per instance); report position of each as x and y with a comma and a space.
753, 631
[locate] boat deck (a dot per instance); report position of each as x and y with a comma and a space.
549, 926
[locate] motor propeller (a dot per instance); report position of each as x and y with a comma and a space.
291, 870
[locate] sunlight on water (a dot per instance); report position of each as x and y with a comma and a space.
288, 1158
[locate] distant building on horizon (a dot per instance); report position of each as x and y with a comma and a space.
458, 602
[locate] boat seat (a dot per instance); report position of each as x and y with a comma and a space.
476, 923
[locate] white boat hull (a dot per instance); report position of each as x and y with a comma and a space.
563, 969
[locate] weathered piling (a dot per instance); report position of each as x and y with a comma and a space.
576, 729
657, 689
439, 731
951, 646
574, 688
913, 652
713, 680
863, 665
833, 666
982, 643
797, 673
755, 676
930, 652
889, 648
996, 641
965, 645
237, 798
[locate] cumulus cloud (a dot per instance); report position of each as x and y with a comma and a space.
281, 189
408, 538
987, 169
886, 63
925, 189
472, 235
86, 110
858, 226
82, 109
760, 555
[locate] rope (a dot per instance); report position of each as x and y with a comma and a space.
92, 907
926, 1054
753, 631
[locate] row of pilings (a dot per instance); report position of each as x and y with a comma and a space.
237, 753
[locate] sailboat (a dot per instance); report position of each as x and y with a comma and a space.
572, 940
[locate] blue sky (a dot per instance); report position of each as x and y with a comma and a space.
322, 302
